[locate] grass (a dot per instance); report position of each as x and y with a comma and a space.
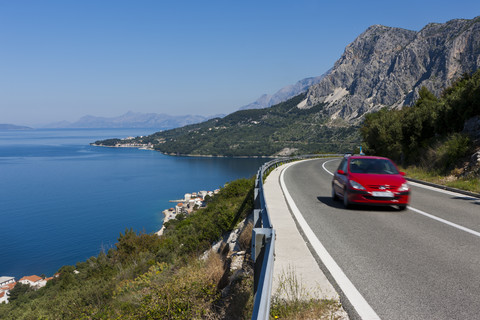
467, 184
293, 301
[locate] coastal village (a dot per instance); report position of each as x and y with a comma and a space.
8, 283
185, 206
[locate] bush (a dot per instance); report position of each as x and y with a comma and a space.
456, 147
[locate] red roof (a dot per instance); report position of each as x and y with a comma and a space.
33, 278
8, 286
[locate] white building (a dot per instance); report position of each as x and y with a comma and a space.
34, 281
4, 296
6, 280
6, 284
180, 208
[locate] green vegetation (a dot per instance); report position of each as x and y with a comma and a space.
470, 183
256, 132
429, 134
293, 301
151, 277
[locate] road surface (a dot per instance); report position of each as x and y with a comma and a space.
421, 263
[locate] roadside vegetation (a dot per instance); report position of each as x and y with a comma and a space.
150, 277
429, 139
293, 301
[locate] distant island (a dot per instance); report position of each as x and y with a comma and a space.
5, 126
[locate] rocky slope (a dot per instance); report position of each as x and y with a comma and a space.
386, 67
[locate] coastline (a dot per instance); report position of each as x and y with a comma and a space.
145, 147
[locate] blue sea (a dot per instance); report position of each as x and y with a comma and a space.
63, 201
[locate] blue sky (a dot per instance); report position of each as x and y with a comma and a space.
60, 60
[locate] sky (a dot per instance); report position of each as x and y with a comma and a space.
61, 60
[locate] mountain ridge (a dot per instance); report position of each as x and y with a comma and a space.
386, 67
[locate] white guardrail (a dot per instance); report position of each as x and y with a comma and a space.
263, 239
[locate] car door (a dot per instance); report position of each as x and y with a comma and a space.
340, 180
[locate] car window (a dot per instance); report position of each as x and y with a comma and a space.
372, 166
340, 166
344, 165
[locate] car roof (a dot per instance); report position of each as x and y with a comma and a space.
368, 157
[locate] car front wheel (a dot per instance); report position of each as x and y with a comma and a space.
334, 194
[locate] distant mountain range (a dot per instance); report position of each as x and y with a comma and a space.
165, 121
133, 120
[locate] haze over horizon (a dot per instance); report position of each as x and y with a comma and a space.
64, 60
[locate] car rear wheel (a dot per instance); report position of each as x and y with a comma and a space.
346, 203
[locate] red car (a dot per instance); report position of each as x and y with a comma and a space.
371, 181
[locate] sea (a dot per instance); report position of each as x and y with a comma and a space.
63, 200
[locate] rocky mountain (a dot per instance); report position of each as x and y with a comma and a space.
386, 67
132, 120
283, 94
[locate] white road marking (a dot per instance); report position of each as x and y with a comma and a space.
356, 299
475, 233
324, 168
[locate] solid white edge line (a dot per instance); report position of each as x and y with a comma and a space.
362, 307
323, 166
475, 233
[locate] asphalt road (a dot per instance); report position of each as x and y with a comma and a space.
405, 264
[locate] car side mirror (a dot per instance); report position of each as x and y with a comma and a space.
341, 172
402, 173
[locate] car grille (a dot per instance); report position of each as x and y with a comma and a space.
382, 187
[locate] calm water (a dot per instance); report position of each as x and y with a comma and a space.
63, 201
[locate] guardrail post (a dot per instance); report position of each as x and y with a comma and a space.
260, 237
257, 218
256, 198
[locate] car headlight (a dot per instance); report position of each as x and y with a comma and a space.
404, 187
356, 185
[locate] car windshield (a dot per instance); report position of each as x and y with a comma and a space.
375, 166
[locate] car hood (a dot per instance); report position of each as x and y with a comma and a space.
378, 179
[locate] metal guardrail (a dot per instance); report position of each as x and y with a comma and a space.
263, 239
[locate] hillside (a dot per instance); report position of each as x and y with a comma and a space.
438, 135
150, 277
280, 130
